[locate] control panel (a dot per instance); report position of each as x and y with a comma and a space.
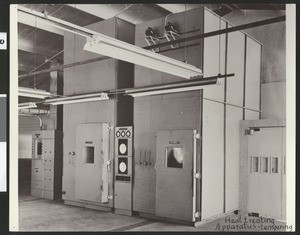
46, 164
123, 170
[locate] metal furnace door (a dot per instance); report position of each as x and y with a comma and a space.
175, 171
265, 152
92, 154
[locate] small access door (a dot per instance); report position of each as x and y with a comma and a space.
175, 171
267, 172
92, 154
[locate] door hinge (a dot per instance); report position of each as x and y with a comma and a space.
197, 175
109, 197
197, 214
197, 136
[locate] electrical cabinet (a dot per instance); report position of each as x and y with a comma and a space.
46, 164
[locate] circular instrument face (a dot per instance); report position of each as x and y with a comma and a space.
127, 133
118, 134
123, 133
122, 148
122, 167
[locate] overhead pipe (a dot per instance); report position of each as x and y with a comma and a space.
34, 111
28, 115
201, 81
222, 31
176, 85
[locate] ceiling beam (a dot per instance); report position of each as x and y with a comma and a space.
28, 47
25, 68
176, 8
104, 11
32, 21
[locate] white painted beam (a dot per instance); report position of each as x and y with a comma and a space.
176, 8
104, 11
32, 21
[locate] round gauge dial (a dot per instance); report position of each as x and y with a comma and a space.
118, 134
122, 148
127, 133
123, 133
122, 167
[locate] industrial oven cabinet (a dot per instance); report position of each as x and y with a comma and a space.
214, 112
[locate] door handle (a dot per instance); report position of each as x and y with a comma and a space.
108, 166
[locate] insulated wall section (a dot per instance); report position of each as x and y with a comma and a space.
253, 81
214, 55
213, 159
233, 117
236, 65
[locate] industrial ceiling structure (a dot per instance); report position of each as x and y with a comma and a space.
39, 45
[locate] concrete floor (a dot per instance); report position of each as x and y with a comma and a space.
37, 214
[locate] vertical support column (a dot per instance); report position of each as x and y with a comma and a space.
225, 100
245, 71
56, 87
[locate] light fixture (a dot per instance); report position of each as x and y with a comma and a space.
104, 45
191, 85
78, 99
33, 93
28, 105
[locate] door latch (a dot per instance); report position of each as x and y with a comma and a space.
109, 197
197, 175
197, 214
197, 136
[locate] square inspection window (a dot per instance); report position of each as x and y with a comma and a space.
88, 154
174, 157
264, 164
255, 164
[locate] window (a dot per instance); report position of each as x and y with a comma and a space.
264, 164
174, 156
88, 154
274, 165
255, 164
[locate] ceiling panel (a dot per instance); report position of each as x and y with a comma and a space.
65, 12
39, 41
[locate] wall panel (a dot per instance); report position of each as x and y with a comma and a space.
236, 65
214, 55
141, 194
251, 115
233, 117
253, 66
212, 159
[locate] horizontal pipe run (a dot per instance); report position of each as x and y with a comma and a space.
189, 83
60, 67
193, 82
219, 32
34, 111
234, 105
